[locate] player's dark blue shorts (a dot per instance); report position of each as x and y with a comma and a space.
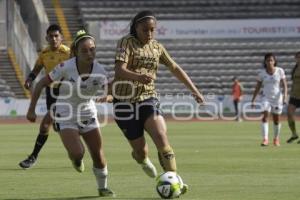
49, 98
294, 101
131, 117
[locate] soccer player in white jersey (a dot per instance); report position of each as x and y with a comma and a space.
81, 77
271, 78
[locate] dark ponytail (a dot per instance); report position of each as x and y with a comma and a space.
146, 14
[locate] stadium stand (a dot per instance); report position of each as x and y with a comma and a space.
5, 90
70, 11
204, 59
211, 63
9, 86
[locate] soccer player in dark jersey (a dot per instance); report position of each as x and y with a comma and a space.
51, 56
294, 101
136, 107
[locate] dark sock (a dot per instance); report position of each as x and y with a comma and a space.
39, 143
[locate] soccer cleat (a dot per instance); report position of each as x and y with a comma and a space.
28, 162
184, 188
78, 166
292, 139
105, 192
264, 143
149, 168
276, 142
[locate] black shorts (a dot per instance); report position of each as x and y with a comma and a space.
294, 101
49, 98
131, 117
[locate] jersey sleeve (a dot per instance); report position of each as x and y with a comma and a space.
166, 59
123, 50
57, 73
282, 74
39, 61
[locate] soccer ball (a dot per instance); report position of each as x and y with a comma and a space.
169, 185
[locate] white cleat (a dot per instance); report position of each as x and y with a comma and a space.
149, 168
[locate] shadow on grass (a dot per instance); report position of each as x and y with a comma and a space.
84, 197
36, 168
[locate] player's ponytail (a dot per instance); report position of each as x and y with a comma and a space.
146, 14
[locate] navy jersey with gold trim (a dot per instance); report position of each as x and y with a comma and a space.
143, 59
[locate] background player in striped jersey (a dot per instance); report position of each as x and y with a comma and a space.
136, 106
294, 101
51, 56
271, 78
75, 110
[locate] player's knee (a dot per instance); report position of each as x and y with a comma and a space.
167, 158
44, 128
290, 116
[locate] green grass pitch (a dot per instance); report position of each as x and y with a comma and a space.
219, 161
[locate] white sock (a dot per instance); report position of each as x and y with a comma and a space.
146, 161
276, 130
101, 177
265, 130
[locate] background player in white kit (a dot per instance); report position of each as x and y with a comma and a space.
75, 111
271, 78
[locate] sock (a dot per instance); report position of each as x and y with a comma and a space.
166, 157
39, 143
265, 130
147, 161
292, 126
276, 130
101, 177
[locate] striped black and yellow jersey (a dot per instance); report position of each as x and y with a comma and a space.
295, 90
143, 59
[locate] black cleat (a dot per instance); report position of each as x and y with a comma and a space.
28, 162
292, 139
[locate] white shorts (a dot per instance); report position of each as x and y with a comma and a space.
81, 126
274, 106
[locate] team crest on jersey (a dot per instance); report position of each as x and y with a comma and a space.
62, 64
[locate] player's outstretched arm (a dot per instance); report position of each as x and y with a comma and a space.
32, 75
31, 116
122, 71
185, 79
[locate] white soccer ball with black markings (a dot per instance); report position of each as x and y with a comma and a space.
169, 185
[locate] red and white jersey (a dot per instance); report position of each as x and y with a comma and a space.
76, 92
271, 83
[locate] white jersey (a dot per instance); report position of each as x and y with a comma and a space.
271, 83
75, 100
